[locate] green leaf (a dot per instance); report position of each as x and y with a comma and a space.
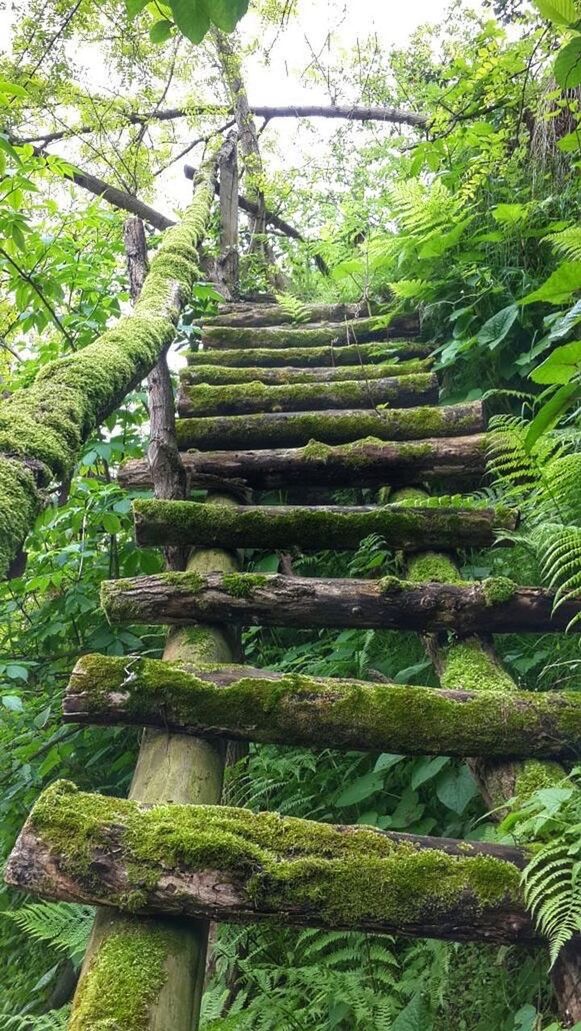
160, 31
571, 142
525, 1019
226, 13
15, 672
494, 330
427, 768
135, 7
455, 788
191, 19
559, 287
560, 366
12, 702
413, 1017
562, 12
551, 412
12, 89
386, 760
568, 64
360, 789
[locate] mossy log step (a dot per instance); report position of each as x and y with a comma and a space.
236, 865
246, 599
247, 314
295, 429
256, 705
312, 528
312, 357
218, 374
317, 334
368, 463
248, 398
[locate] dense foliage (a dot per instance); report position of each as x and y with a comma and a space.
474, 220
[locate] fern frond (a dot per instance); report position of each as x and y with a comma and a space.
293, 307
552, 888
566, 243
55, 1020
65, 927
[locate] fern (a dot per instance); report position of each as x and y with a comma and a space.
65, 927
552, 885
293, 307
56, 1020
566, 243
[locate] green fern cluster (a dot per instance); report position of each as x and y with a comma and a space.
294, 308
64, 927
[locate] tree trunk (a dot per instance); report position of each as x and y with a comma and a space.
377, 327
454, 460
249, 398
352, 354
255, 705
290, 429
227, 263
280, 377
495, 605
318, 527
233, 864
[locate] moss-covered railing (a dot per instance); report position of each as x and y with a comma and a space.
43, 426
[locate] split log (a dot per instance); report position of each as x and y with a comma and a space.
295, 429
351, 354
316, 528
236, 865
277, 377
250, 398
369, 463
243, 315
315, 712
317, 334
495, 605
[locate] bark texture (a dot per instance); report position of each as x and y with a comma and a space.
368, 463
295, 429
319, 527
249, 398
280, 377
495, 605
255, 705
274, 315
233, 864
304, 357
377, 327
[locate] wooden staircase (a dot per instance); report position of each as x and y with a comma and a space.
303, 409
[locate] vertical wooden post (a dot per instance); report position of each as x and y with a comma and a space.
228, 260
148, 974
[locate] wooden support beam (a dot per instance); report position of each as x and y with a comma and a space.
351, 354
455, 460
256, 705
318, 527
213, 374
236, 865
295, 429
495, 605
318, 334
227, 263
251, 398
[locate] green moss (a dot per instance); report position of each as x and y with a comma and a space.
533, 775
243, 585
215, 375
468, 666
320, 713
20, 502
351, 354
277, 862
432, 567
48, 421
296, 336
125, 977
296, 429
498, 589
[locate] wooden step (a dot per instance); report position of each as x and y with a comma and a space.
249, 398
233, 864
366, 463
315, 334
295, 429
495, 605
299, 357
316, 528
240, 314
217, 374
248, 704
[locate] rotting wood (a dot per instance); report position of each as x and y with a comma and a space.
350, 354
276, 315
295, 429
249, 398
369, 463
494, 605
233, 864
318, 334
213, 375
320, 712
316, 528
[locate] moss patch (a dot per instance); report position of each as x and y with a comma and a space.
432, 567
344, 876
214, 375
469, 667
351, 354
